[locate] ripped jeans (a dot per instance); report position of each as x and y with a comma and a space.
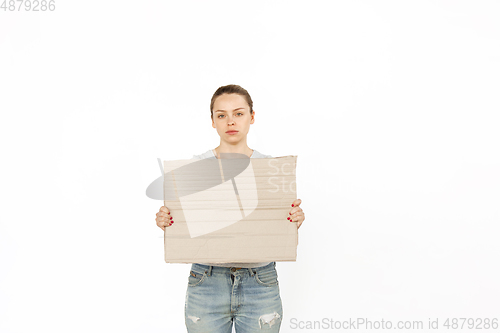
218, 296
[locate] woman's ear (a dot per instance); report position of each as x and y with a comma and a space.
252, 119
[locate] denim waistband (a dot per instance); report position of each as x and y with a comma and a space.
209, 270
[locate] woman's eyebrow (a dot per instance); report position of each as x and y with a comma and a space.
233, 110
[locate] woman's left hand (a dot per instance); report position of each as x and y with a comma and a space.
296, 214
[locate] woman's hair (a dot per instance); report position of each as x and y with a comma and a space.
231, 89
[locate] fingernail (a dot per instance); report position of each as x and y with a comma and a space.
289, 213
171, 217
292, 205
288, 218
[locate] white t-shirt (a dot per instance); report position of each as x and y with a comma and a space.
210, 154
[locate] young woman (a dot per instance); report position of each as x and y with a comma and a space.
244, 293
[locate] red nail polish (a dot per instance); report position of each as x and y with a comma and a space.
289, 213
171, 217
292, 205
288, 218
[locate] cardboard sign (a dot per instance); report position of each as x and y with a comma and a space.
232, 209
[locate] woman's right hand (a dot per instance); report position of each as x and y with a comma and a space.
163, 218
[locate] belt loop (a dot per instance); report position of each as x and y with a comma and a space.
209, 272
250, 271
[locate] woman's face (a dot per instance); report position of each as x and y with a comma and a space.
231, 112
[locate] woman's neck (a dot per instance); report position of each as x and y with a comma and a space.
245, 150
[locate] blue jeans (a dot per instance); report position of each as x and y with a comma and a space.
218, 296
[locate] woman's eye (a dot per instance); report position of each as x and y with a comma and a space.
221, 115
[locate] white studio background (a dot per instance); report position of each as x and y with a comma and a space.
391, 106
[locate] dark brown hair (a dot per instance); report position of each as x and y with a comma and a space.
230, 89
